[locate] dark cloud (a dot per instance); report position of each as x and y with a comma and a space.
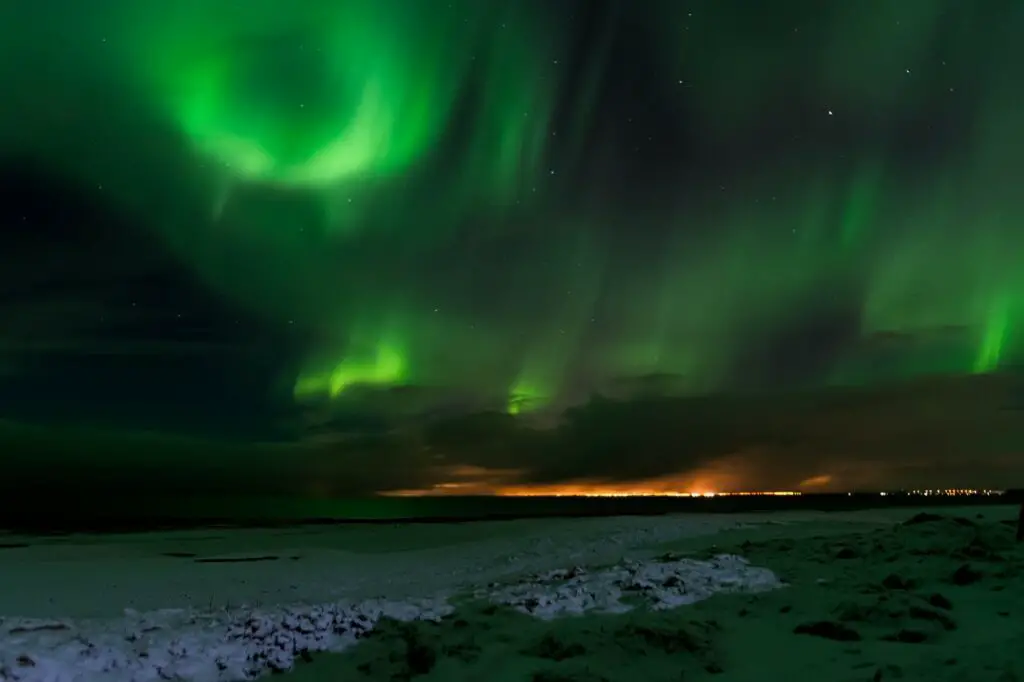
960, 429
938, 432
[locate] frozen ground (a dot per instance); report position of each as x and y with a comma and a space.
213, 569
231, 604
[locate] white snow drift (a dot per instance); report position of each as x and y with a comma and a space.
244, 643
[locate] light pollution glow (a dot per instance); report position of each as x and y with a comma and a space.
472, 480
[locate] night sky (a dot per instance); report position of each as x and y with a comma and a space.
338, 247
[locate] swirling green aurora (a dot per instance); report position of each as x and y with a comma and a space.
491, 199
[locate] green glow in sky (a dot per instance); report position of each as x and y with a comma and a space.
523, 398
338, 95
313, 110
383, 366
439, 194
994, 338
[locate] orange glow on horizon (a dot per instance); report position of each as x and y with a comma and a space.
570, 491
816, 481
717, 479
580, 489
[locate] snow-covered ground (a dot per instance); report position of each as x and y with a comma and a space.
245, 642
217, 568
235, 604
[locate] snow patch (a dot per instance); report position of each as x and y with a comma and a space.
655, 584
244, 643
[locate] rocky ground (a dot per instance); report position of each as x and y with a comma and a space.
247, 642
934, 596
937, 597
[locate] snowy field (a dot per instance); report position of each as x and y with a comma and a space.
870, 595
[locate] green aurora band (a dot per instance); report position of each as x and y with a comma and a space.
346, 93
348, 156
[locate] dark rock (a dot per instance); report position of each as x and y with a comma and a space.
553, 649
846, 553
977, 548
42, 627
237, 560
965, 575
828, 629
667, 637
887, 672
907, 636
785, 544
928, 518
940, 617
940, 601
895, 582
420, 657
923, 517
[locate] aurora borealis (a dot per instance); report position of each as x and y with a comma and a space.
381, 211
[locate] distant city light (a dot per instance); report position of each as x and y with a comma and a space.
939, 492
947, 492
610, 493
459, 488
